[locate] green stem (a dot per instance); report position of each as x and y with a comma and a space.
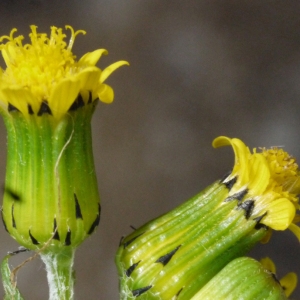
59, 268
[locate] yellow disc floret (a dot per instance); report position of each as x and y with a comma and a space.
270, 178
45, 71
284, 172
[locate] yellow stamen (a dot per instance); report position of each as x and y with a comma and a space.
73, 36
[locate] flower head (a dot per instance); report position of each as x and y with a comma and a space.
47, 99
269, 178
177, 254
44, 75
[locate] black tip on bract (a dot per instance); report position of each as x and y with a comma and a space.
68, 238
230, 183
141, 291
129, 271
237, 196
167, 257
55, 230
248, 207
12, 194
126, 244
78, 102
44, 109
11, 108
30, 110
96, 222
77, 208
258, 224
13, 221
33, 239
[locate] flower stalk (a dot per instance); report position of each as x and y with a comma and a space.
60, 274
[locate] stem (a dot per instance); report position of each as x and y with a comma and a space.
59, 268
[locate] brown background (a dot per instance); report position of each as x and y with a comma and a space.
199, 69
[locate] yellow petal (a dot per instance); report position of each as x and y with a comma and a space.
289, 283
91, 58
4, 98
62, 96
105, 93
221, 141
108, 70
89, 78
242, 155
47, 68
19, 98
268, 264
280, 213
259, 174
295, 230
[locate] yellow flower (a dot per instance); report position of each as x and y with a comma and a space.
269, 178
47, 99
45, 77
288, 282
177, 254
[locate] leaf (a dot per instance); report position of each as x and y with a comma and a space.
11, 291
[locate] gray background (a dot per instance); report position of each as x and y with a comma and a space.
199, 69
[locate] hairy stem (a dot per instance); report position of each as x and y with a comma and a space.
59, 268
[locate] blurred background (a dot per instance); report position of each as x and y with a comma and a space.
199, 69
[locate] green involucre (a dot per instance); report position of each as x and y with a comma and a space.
243, 278
175, 255
51, 194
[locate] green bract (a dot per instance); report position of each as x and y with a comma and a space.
243, 278
175, 255
51, 194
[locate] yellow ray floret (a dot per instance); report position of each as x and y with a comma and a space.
45, 71
288, 282
270, 178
